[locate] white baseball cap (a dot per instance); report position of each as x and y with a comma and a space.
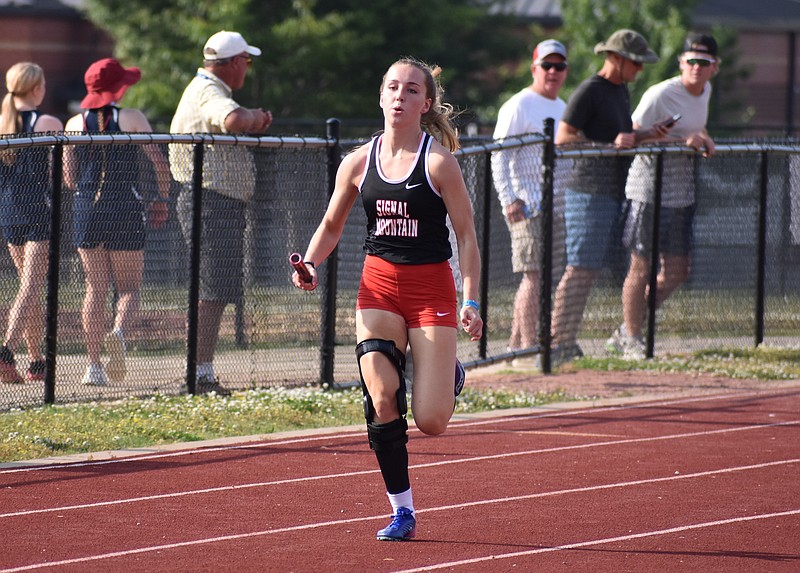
223, 45
547, 48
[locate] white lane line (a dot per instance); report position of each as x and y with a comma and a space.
304, 479
592, 542
128, 456
311, 526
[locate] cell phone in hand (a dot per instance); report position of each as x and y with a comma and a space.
672, 120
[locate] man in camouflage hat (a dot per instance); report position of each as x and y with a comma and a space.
598, 111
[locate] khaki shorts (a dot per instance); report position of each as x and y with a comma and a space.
526, 236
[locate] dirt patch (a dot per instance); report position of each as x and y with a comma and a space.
596, 384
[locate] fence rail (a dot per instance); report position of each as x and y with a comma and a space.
744, 287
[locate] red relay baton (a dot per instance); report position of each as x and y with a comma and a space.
296, 260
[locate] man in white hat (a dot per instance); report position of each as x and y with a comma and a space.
599, 110
229, 178
517, 179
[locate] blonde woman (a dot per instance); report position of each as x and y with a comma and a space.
25, 216
409, 183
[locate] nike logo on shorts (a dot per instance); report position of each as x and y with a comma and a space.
442, 313
409, 186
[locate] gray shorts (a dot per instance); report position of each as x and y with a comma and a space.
221, 243
526, 237
674, 235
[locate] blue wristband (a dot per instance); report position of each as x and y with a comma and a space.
472, 303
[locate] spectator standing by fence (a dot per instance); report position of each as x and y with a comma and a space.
598, 111
687, 95
109, 212
229, 180
25, 216
409, 184
517, 179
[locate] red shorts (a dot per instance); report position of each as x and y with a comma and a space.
424, 295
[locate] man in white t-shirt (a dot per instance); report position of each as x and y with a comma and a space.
517, 179
686, 95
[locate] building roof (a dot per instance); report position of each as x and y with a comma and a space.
775, 15
544, 12
41, 7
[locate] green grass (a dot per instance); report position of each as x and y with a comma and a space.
761, 363
136, 422
140, 422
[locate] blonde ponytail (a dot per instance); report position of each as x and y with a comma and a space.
21, 79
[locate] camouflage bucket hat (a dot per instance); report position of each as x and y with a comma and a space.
628, 44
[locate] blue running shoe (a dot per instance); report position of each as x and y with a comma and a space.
461, 376
402, 527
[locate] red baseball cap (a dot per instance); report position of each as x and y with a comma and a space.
106, 81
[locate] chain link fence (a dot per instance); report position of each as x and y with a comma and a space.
743, 288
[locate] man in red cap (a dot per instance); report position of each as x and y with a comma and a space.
517, 181
207, 106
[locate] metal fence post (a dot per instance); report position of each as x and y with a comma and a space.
327, 348
546, 246
194, 269
655, 240
761, 248
53, 261
485, 251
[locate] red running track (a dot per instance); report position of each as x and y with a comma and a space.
707, 484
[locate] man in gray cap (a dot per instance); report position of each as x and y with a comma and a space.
598, 111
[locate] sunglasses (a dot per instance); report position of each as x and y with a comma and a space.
699, 62
559, 66
248, 60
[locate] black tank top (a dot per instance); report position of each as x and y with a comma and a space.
406, 219
108, 173
25, 180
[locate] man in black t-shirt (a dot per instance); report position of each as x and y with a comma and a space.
598, 111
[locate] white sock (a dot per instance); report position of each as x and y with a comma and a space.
402, 499
205, 369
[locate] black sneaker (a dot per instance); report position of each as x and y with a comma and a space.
206, 385
8, 367
36, 371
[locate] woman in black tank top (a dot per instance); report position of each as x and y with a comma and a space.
109, 212
409, 183
25, 217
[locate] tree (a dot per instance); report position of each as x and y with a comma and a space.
588, 22
321, 58
665, 25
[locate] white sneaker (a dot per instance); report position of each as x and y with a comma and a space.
633, 348
94, 376
527, 362
115, 347
614, 343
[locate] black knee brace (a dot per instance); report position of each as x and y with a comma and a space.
388, 348
387, 437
